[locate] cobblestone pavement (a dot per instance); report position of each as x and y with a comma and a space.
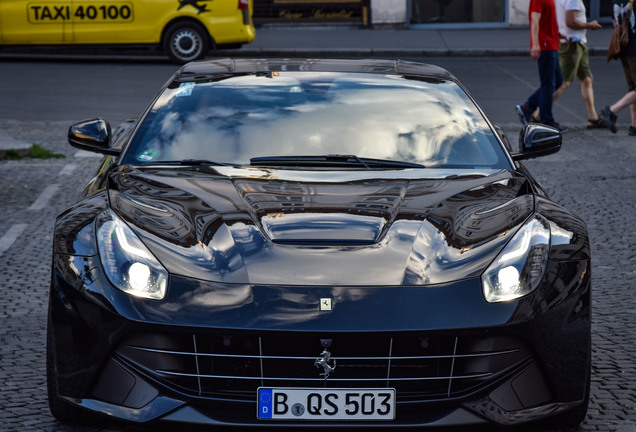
594, 175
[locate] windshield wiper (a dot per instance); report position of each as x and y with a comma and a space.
347, 158
331, 160
193, 162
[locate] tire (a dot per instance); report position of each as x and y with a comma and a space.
572, 418
61, 410
186, 41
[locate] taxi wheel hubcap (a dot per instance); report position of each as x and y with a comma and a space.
186, 44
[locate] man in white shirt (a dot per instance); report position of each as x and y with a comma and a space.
574, 55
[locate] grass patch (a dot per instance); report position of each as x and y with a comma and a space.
38, 152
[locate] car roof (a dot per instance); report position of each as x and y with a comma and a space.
200, 69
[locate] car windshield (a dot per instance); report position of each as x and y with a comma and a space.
356, 120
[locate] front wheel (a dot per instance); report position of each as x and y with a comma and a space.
61, 410
186, 41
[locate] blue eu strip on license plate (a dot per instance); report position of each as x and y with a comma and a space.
325, 404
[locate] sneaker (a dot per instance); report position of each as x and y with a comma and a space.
632, 131
522, 112
610, 118
561, 128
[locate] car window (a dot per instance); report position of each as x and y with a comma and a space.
239, 117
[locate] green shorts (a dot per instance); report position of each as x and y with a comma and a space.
575, 61
629, 67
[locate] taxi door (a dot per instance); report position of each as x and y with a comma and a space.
119, 21
34, 22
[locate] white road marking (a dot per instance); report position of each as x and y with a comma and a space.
11, 236
514, 76
87, 154
44, 197
68, 169
534, 86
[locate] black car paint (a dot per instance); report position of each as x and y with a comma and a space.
178, 211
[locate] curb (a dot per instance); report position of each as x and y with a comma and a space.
10, 144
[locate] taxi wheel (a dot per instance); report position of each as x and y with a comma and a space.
186, 41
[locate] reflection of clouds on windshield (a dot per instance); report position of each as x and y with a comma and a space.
167, 129
393, 124
418, 122
211, 133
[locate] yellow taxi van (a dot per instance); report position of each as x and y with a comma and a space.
185, 29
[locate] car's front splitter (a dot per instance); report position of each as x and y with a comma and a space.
504, 404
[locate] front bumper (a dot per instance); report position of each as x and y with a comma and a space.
195, 359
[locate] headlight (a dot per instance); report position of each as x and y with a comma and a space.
520, 266
128, 264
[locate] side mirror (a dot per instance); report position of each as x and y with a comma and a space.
536, 140
92, 135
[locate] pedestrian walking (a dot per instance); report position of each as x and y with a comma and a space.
574, 55
623, 9
544, 46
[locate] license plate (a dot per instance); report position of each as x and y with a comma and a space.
325, 404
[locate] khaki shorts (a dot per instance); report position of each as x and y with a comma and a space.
629, 67
575, 61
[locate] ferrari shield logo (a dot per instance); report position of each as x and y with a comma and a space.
325, 304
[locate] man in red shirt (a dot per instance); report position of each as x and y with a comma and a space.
544, 46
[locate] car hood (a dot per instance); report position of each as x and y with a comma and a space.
321, 228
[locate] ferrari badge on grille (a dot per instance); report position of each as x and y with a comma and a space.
323, 362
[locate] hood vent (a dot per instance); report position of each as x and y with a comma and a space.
322, 228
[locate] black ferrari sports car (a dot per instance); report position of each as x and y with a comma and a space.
317, 243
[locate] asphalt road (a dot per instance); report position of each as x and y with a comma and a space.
73, 90
593, 175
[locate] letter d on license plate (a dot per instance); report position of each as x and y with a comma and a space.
325, 404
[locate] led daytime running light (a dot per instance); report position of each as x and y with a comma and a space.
519, 268
127, 262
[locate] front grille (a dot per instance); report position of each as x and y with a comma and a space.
234, 366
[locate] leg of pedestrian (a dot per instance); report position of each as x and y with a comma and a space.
587, 93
